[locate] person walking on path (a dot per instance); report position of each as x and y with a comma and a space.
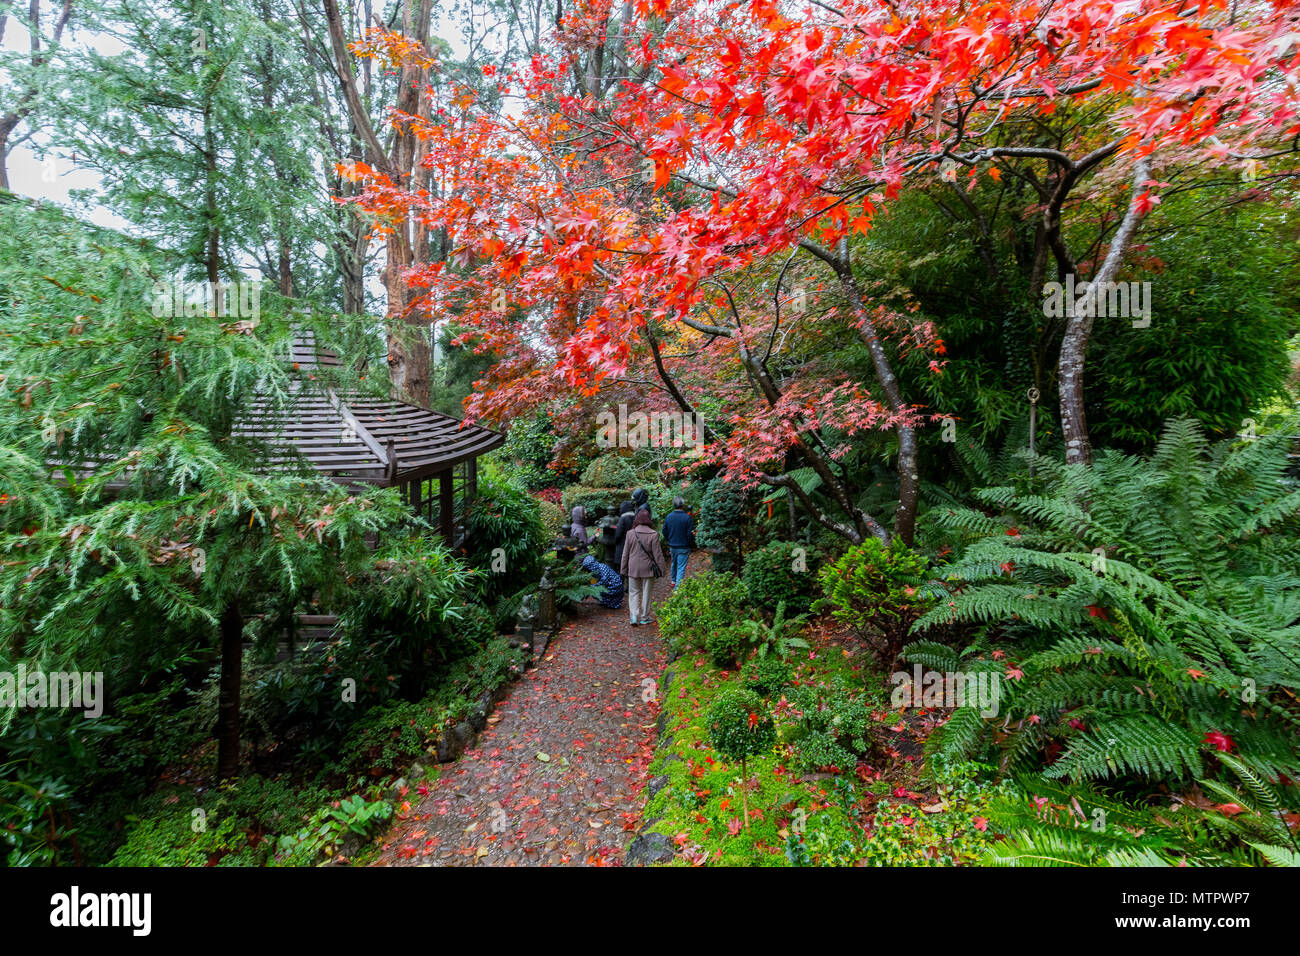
626, 515
640, 566
679, 532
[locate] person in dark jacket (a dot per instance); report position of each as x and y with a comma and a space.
641, 499
679, 532
626, 514
640, 567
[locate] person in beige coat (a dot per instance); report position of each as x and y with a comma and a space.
640, 566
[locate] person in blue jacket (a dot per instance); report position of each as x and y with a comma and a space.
609, 580
679, 532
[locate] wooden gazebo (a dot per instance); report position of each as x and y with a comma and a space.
365, 441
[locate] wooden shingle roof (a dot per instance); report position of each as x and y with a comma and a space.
361, 439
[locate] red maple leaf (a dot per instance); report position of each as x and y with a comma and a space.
1219, 741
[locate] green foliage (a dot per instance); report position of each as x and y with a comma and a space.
740, 725
952, 831
833, 727
352, 818
233, 826
722, 515
390, 736
726, 645
1062, 823
407, 611
766, 674
1216, 347
701, 604
530, 446
778, 572
779, 637
507, 517
170, 839
1151, 607
876, 590
553, 517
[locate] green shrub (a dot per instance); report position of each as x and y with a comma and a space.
766, 674
780, 572
833, 725
185, 837
531, 445
506, 517
701, 604
876, 590
389, 737
593, 499
740, 725
723, 510
726, 645
611, 471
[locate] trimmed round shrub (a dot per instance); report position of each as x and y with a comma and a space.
740, 725
610, 471
875, 590
726, 645
782, 571
766, 674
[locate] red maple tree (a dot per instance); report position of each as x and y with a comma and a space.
674, 225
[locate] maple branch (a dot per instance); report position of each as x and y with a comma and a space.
776, 302
1027, 92
820, 516
707, 329
671, 386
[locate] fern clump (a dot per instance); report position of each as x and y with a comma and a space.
1145, 615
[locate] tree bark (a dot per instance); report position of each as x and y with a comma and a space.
909, 468
1078, 331
232, 662
409, 349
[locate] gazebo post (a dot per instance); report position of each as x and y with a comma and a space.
446, 508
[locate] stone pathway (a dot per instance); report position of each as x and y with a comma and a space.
557, 775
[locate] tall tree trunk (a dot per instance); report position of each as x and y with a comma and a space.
909, 468
232, 663
1078, 331
408, 339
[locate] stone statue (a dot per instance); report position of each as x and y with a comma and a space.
527, 614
